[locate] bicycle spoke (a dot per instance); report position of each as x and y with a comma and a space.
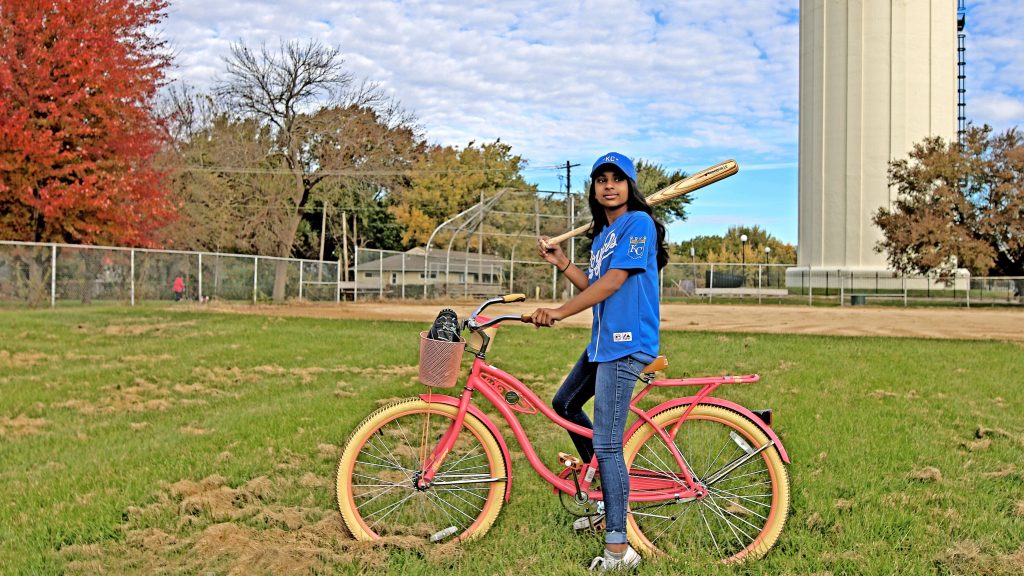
437, 498
390, 508
725, 514
715, 461
438, 505
710, 531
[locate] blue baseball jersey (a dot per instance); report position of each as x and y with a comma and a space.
628, 320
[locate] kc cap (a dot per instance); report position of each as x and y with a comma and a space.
617, 160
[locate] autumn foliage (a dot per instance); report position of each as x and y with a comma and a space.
77, 136
958, 206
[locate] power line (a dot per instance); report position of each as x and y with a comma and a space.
326, 172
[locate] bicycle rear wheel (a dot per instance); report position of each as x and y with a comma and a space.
746, 480
378, 469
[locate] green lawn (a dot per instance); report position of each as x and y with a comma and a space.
167, 440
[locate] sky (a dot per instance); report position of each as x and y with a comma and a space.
680, 83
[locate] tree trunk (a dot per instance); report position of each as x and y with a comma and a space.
36, 282
284, 251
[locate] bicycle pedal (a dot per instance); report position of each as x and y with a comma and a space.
570, 461
594, 523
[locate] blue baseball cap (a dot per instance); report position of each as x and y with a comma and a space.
618, 161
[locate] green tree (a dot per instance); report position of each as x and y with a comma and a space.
730, 248
958, 206
445, 181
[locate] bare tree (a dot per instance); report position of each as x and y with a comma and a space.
322, 124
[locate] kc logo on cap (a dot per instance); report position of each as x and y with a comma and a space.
617, 160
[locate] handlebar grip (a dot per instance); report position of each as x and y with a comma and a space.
526, 318
509, 298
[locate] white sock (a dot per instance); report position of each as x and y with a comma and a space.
616, 556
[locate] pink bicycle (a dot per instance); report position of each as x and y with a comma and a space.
707, 476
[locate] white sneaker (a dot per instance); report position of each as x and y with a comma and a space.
604, 562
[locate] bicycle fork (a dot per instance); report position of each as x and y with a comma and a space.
431, 464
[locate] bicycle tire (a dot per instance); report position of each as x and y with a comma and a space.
739, 519
376, 476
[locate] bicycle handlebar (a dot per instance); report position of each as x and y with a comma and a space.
473, 325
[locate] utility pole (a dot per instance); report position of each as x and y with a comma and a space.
572, 207
572, 217
323, 230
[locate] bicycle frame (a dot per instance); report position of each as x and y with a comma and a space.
497, 386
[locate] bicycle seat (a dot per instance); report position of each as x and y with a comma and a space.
660, 363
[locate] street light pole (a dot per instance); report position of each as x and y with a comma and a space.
693, 265
743, 257
767, 251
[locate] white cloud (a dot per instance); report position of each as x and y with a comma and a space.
552, 79
677, 82
1000, 109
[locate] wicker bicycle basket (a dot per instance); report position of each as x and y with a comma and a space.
440, 361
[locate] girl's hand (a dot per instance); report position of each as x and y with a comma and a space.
546, 316
553, 254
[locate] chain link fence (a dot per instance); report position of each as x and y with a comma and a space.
36, 275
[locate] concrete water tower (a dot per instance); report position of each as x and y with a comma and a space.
876, 76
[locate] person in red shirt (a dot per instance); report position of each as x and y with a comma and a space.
179, 288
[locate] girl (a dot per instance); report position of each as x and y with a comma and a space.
621, 285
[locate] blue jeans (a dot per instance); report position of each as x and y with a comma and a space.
611, 385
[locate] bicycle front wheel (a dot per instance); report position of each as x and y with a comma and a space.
378, 469
746, 480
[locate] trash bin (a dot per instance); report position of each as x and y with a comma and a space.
857, 300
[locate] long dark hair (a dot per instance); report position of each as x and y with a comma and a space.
634, 201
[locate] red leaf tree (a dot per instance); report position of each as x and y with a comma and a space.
77, 132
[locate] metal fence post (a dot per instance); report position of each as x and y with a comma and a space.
810, 286
53, 275
337, 286
403, 275
200, 292
711, 285
758, 283
255, 276
300, 279
554, 281
968, 289
132, 283
380, 267
355, 274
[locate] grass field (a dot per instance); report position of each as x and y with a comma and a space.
173, 441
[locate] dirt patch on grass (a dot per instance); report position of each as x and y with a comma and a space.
1018, 508
926, 474
222, 529
139, 396
307, 375
145, 359
139, 328
20, 360
969, 557
21, 425
224, 376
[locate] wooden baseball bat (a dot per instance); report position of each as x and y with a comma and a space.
709, 175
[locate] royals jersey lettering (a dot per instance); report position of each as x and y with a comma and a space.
627, 321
